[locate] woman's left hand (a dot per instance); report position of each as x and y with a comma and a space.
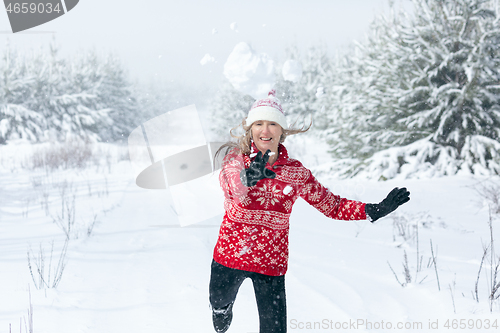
394, 199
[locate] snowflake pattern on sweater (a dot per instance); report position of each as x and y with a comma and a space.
254, 232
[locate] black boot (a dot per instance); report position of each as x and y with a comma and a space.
222, 318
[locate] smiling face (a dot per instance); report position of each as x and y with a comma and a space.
266, 135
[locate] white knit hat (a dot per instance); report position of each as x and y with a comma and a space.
267, 109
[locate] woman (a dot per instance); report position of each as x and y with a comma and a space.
260, 184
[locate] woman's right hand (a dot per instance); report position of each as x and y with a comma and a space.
257, 170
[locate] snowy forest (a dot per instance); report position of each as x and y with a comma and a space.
418, 96
415, 104
88, 97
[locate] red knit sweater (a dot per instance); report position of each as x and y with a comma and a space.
254, 232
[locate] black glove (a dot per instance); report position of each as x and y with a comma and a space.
395, 198
257, 170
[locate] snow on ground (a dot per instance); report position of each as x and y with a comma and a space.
135, 270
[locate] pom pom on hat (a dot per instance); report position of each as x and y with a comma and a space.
267, 109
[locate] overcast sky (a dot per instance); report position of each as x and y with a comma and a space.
167, 39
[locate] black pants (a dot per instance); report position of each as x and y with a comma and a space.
269, 294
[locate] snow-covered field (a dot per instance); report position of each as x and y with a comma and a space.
129, 267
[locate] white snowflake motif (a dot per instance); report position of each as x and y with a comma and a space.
306, 190
316, 192
314, 197
245, 200
268, 195
266, 218
247, 229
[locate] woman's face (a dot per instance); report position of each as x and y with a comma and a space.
266, 135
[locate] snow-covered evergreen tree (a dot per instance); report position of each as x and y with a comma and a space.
159, 96
69, 110
308, 96
115, 93
422, 94
227, 109
43, 97
16, 120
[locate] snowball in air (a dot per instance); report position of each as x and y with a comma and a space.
320, 91
206, 59
250, 72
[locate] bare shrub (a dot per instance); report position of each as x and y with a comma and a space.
493, 280
406, 267
66, 219
28, 326
489, 191
406, 273
91, 225
476, 293
452, 292
434, 262
405, 226
71, 154
46, 275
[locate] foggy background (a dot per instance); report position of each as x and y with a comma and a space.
166, 40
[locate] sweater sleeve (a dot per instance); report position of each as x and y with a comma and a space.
229, 176
331, 205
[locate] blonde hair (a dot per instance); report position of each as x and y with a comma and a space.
244, 141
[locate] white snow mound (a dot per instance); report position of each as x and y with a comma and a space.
250, 72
